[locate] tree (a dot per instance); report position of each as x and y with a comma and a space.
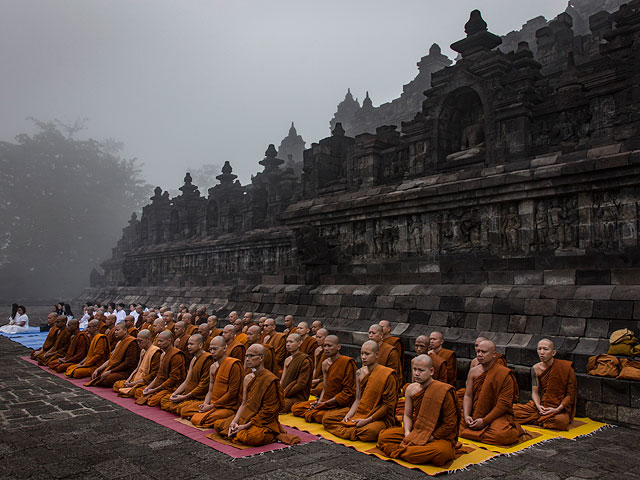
63, 204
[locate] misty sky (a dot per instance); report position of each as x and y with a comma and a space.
188, 82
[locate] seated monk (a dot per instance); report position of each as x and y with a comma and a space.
122, 362
212, 321
157, 326
59, 348
196, 384
500, 360
241, 337
247, 321
204, 330
309, 343
97, 354
374, 407
78, 348
318, 358
145, 371
339, 378
393, 341
130, 321
225, 389
431, 418
261, 325
388, 356
315, 326
553, 391
111, 331
171, 372
167, 316
189, 326
256, 422
488, 401
436, 340
276, 339
289, 326
253, 337
181, 339
296, 376
51, 336
235, 349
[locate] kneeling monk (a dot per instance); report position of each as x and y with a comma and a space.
76, 351
256, 422
196, 384
146, 370
431, 418
123, 361
553, 391
375, 404
488, 400
339, 380
296, 376
97, 354
225, 388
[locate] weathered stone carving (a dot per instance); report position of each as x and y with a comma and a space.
312, 249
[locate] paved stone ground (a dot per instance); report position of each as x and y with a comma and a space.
52, 429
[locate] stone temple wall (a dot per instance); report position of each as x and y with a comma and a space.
509, 206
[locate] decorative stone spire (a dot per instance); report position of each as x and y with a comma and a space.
133, 219
292, 145
338, 131
270, 161
188, 188
226, 177
568, 81
367, 104
476, 24
157, 193
478, 38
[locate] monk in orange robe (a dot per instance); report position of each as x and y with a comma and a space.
289, 326
253, 337
122, 362
500, 360
553, 391
296, 376
181, 339
97, 354
130, 321
315, 326
59, 348
374, 407
339, 381
77, 350
171, 372
196, 385
212, 321
145, 371
158, 326
205, 331
436, 340
256, 421
318, 358
309, 343
241, 336
235, 349
388, 356
225, 389
51, 336
431, 419
488, 401
393, 341
169, 323
276, 339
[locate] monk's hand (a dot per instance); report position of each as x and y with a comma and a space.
206, 408
468, 420
476, 424
94, 375
105, 373
233, 428
346, 419
362, 422
175, 398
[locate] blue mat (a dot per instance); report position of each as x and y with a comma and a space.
34, 338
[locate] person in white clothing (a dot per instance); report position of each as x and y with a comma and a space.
120, 313
19, 323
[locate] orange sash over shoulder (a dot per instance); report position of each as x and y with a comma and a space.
144, 367
371, 391
341, 379
196, 372
118, 353
554, 382
256, 390
221, 383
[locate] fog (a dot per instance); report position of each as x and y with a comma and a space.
186, 83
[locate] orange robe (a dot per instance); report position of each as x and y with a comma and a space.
500, 360
242, 338
58, 349
270, 360
440, 373
236, 350
494, 393
294, 329
449, 356
396, 343
77, 350
309, 346
181, 344
48, 342
146, 370
340, 391
278, 342
97, 354
191, 330
226, 395
389, 356
123, 361
296, 382
197, 384
264, 398
435, 414
133, 331
317, 374
557, 385
171, 373
378, 397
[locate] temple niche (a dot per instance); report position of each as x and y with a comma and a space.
462, 128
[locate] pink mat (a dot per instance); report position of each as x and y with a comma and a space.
168, 420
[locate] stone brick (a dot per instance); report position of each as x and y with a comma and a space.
572, 327
405, 302
452, 304
588, 346
543, 307
484, 321
517, 323
634, 394
439, 319
593, 277
534, 324
625, 276
590, 388
418, 316
597, 328
618, 309
574, 308
501, 278
500, 323
532, 277
551, 325
478, 304
615, 391
496, 291
428, 303
508, 306
559, 277
626, 292
601, 411
629, 416
385, 301
593, 292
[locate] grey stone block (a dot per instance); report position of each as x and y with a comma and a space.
590, 388
619, 309
574, 308
551, 325
572, 327
597, 328
534, 324
478, 304
540, 306
615, 391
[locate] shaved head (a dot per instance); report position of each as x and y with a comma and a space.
425, 359
295, 336
256, 349
218, 341
197, 338
166, 334
74, 322
488, 345
94, 323
372, 345
548, 342
376, 328
332, 339
144, 334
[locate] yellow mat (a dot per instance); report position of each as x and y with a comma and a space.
578, 428
478, 455
540, 435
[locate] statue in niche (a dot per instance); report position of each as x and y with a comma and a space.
415, 235
607, 221
456, 230
511, 225
572, 222
378, 236
312, 249
475, 230
390, 235
464, 121
542, 226
360, 245
555, 215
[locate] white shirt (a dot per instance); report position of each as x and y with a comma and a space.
120, 316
